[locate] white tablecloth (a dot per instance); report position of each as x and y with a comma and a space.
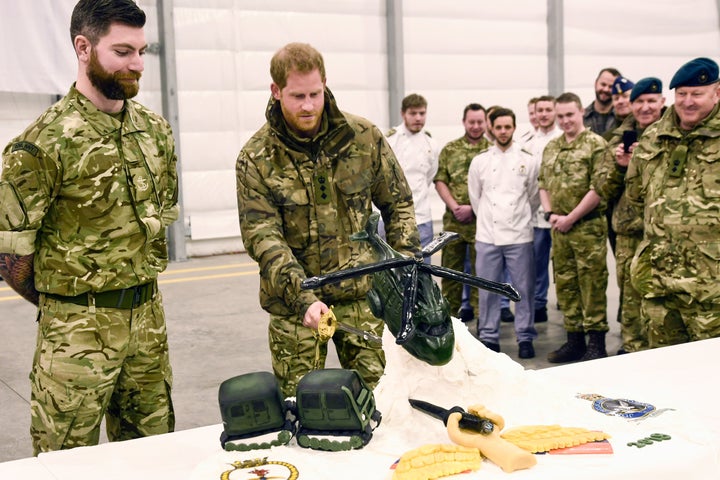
683, 376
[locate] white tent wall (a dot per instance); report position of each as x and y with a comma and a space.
455, 52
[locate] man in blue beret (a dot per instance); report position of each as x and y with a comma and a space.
621, 103
674, 177
621, 110
646, 105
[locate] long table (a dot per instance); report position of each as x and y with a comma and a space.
679, 375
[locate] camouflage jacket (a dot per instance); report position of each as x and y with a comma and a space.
626, 219
453, 165
674, 179
299, 202
90, 196
570, 170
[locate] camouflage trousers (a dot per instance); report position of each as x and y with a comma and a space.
677, 319
112, 363
633, 329
453, 256
581, 275
295, 351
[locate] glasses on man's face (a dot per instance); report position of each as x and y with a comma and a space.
677, 160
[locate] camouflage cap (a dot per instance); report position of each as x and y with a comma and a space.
696, 73
621, 85
646, 85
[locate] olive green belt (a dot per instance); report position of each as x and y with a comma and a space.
127, 298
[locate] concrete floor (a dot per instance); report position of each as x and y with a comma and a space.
216, 330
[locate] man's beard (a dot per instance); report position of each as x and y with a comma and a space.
110, 84
603, 101
505, 143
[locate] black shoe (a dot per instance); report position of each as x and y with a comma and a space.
506, 315
491, 345
541, 315
571, 351
466, 314
526, 350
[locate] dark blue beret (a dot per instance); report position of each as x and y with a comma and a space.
621, 85
646, 85
696, 73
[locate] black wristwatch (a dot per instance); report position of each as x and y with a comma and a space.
547, 216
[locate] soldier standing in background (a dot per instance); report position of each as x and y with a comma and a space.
620, 103
307, 181
542, 240
532, 118
568, 175
599, 116
673, 178
646, 102
451, 185
86, 194
417, 153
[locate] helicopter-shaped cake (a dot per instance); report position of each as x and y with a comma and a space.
405, 296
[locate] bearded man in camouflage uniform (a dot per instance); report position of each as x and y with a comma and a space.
452, 186
674, 178
646, 104
86, 194
306, 181
569, 172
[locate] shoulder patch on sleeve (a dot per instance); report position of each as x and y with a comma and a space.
26, 146
391, 132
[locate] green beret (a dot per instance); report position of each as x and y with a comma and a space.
696, 73
646, 85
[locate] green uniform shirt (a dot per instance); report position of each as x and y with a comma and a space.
570, 170
626, 219
299, 202
90, 195
674, 179
453, 165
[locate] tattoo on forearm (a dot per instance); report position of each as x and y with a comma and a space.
17, 271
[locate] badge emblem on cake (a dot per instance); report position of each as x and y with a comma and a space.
621, 407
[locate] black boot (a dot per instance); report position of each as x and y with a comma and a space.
570, 351
595, 347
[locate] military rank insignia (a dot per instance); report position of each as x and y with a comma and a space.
322, 189
621, 407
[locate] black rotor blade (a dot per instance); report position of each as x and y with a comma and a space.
496, 287
439, 242
340, 275
407, 327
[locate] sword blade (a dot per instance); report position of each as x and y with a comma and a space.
365, 335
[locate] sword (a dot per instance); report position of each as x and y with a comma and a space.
467, 422
328, 324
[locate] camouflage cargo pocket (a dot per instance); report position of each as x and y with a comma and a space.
54, 409
710, 173
295, 211
641, 272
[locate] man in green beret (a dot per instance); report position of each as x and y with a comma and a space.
674, 180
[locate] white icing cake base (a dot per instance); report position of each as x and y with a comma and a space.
477, 375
